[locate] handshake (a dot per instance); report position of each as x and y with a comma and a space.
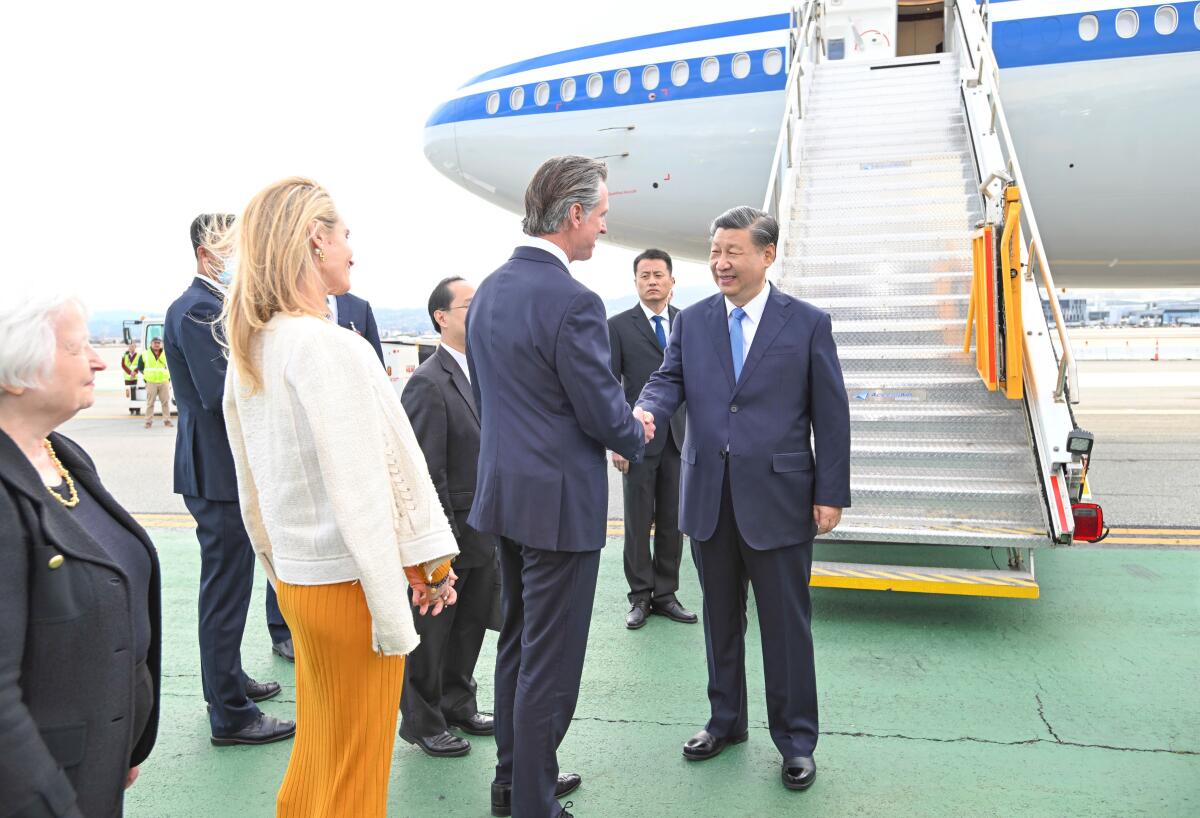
647, 420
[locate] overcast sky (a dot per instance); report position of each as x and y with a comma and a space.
123, 120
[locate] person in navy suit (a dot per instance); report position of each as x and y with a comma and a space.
537, 348
761, 376
355, 314
205, 476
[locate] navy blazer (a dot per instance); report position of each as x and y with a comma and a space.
355, 314
537, 347
203, 461
790, 390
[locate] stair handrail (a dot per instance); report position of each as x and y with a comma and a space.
804, 36
979, 46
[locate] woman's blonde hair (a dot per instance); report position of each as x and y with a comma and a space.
276, 265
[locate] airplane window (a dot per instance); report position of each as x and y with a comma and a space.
741, 65
517, 98
680, 73
567, 90
621, 81
595, 85
541, 94
773, 61
493, 102
710, 69
1127, 24
1166, 20
1196, 16
650, 77
1089, 28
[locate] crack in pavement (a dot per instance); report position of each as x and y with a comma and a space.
900, 736
1042, 716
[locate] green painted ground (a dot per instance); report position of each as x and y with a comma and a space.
1083, 703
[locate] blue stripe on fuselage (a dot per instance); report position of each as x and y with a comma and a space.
1055, 39
753, 25
474, 106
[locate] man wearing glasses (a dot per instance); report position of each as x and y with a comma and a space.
439, 690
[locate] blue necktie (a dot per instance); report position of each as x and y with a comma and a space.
658, 331
736, 341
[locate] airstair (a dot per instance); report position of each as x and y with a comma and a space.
902, 211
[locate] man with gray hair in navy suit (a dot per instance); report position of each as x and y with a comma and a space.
537, 347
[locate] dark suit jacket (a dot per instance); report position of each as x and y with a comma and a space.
635, 356
537, 344
441, 407
790, 389
66, 668
355, 314
203, 461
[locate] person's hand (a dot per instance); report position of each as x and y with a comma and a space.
620, 463
429, 599
826, 518
647, 420
132, 776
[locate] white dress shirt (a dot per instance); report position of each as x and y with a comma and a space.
331, 301
549, 246
754, 311
665, 315
460, 358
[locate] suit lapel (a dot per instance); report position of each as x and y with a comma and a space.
343, 309
638, 317
775, 314
459, 380
718, 333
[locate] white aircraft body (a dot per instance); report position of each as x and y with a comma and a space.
1103, 101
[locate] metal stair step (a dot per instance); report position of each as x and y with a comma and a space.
898, 331
957, 177
884, 152
914, 166
880, 113
951, 307
901, 65
818, 287
957, 241
817, 130
940, 200
944, 81
873, 94
864, 226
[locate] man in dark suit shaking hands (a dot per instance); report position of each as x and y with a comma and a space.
651, 488
537, 346
761, 374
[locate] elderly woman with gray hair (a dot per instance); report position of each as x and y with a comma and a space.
79, 586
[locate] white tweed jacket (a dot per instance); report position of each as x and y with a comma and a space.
332, 482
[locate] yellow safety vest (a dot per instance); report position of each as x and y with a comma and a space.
155, 368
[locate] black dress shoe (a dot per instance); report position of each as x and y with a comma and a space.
479, 724
285, 650
444, 745
502, 794
636, 617
261, 691
263, 730
673, 610
799, 773
704, 745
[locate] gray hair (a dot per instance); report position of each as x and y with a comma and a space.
559, 183
764, 230
27, 339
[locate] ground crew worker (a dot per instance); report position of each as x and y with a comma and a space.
129, 366
153, 365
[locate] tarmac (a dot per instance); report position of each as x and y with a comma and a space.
1081, 703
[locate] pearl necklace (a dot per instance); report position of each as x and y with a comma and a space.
74, 494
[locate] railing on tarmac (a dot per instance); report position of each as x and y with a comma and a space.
1050, 379
805, 54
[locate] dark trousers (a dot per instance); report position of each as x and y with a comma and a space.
275, 623
226, 581
780, 576
546, 597
439, 681
652, 496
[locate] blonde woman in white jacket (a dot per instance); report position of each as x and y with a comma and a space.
335, 496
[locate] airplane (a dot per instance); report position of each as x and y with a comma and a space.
1101, 99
